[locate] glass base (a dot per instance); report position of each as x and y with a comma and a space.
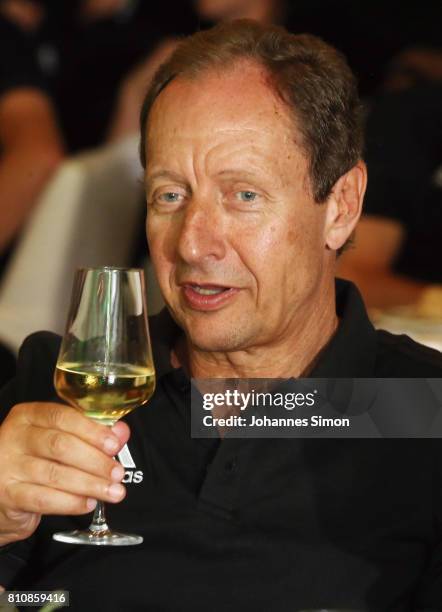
98, 538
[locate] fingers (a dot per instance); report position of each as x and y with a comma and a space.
66, 448
55, 461
70, 480
67, 419
42, 500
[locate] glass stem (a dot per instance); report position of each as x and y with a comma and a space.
99, 519
99, 524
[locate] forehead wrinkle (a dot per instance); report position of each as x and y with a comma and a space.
241, 84
240, 157
250, 156
202, 146
262, 120
202, 133
204, 92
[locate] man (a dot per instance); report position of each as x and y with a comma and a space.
252, 141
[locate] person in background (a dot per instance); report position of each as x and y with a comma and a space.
413, 66
379, 31
31, 145
61, 64
370, 34
264, 11
395, 259
207, 12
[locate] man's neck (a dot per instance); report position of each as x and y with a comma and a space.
294, 355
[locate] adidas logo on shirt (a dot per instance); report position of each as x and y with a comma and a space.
131, 475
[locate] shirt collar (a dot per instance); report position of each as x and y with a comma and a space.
351, 353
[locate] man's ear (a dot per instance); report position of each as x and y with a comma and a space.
344, 206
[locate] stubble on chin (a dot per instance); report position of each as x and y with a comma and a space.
220, 338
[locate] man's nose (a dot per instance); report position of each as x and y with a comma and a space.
201, 235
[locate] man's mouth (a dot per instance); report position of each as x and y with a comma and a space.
209, 289
207, 296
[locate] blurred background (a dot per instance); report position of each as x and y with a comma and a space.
72, 78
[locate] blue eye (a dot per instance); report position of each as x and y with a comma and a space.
170, 196
247, 196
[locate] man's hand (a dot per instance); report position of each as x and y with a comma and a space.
55, 461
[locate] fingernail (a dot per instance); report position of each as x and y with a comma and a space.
110, 445
117, 473
91, 503
115, 491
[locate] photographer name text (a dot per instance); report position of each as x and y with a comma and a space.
265, 421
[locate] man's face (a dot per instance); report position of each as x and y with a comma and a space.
234, 234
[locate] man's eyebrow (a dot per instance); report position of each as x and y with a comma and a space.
178, 178
164, 174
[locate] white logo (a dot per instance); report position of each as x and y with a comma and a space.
126, 460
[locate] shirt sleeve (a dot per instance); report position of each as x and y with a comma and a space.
33, 381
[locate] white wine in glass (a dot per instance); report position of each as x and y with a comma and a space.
104, 394
105, 367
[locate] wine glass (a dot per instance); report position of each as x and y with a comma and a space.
105, 367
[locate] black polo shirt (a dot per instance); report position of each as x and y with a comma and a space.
258, 524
